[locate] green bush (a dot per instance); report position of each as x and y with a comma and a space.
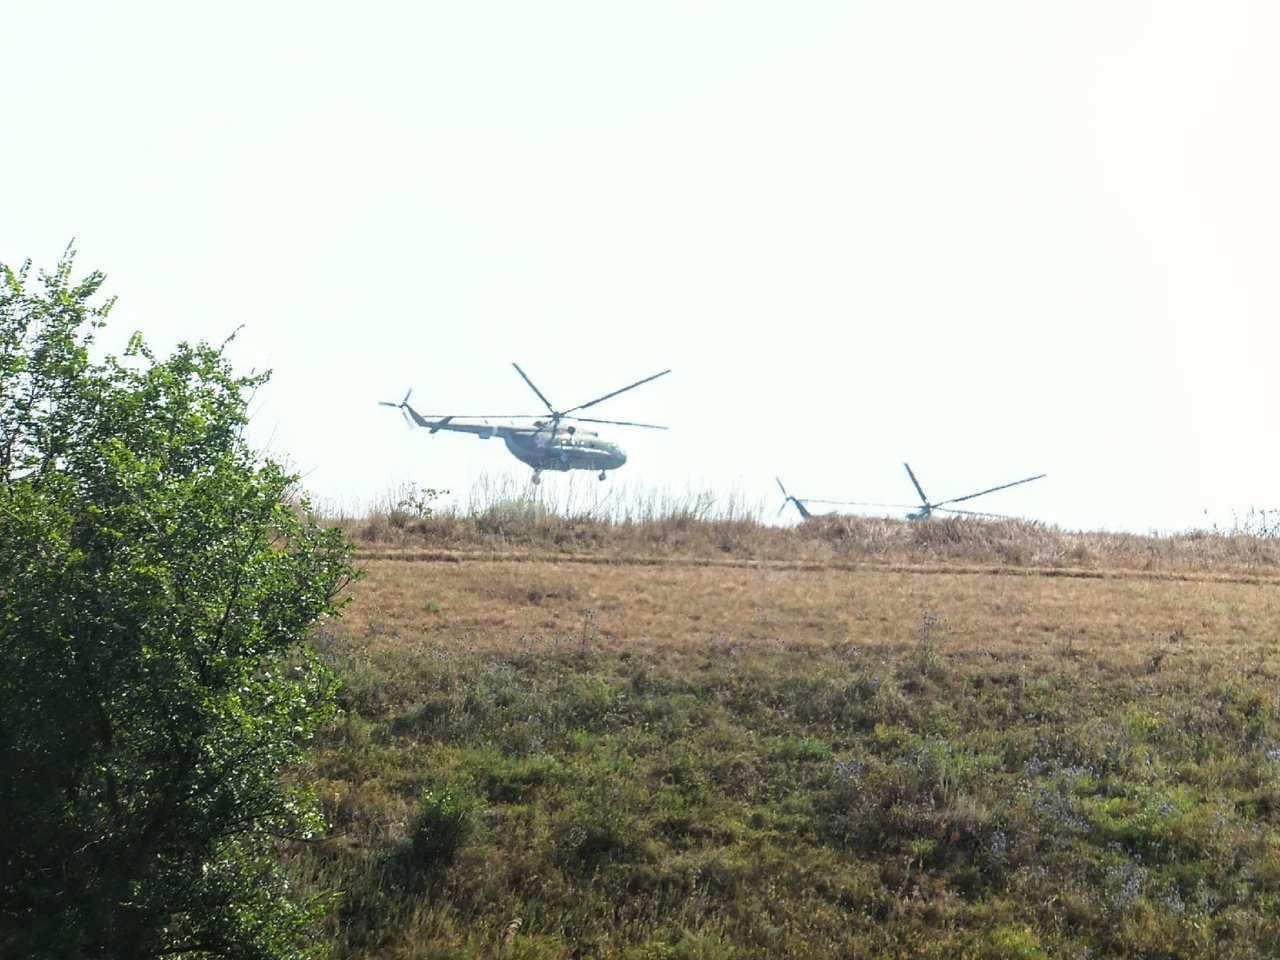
160, 581
444, 823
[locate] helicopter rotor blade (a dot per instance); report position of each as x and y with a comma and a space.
976, 513
401, 405
786, 497
916, 484
1002, 486
618, 423
524, 376
592, 403
864, 503
486, 416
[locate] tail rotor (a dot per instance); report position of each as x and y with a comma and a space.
787, 498
402, 406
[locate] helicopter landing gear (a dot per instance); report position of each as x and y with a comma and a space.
537, 477
601, 477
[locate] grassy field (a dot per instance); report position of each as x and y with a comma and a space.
683, 736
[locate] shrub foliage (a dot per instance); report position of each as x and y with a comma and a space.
158, 584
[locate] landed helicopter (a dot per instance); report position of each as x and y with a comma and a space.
923, 512
545, 444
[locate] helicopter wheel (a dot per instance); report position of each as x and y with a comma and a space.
601, 477
537, 477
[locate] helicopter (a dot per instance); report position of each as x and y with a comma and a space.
545, 444
923, 512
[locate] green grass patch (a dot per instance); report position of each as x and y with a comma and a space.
751, 803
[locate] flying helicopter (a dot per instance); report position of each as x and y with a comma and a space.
923, 512
548, 443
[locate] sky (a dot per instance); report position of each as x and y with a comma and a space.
990, 239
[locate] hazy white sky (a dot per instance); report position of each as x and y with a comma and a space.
992, 239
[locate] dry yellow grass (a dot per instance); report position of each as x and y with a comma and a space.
679, 589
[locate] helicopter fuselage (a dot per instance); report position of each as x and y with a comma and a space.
542, 445
546, 449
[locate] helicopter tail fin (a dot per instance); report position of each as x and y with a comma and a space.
412, 416
787, 498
